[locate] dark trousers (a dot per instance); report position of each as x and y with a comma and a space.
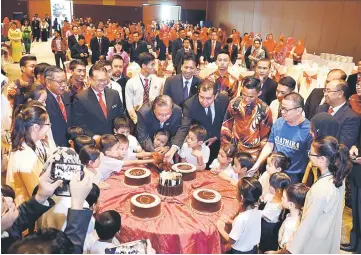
253, 251
36, 34
60, 56
355, 235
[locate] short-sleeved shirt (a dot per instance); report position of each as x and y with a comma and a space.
186, 153
246, 230
229, 171
294, 142
133, 143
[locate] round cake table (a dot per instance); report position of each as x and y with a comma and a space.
179, 228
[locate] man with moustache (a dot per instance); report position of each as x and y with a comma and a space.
268, 85
118, 76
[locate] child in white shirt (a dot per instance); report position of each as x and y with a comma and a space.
122, 126
276, 163
107, 224
242, 162
246, 226
224, 160
272, 212
113, 156
194, 151
293, 199
161, 138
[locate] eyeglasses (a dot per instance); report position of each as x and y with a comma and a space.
287, 110
47, 124
329, 91
102, 82
312, 155
65, 82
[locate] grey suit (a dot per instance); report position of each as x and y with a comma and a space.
173, 87
349, 123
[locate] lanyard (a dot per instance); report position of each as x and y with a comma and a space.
324, 175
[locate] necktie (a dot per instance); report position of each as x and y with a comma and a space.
62, 108
146, 91
135, 45
102, 105
209, 115
330, 110
185, 90
213, 46
161, 124
195, 46
100, 45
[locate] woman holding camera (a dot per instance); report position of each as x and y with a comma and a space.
29, 149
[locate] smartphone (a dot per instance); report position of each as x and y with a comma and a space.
64, 171
136, 247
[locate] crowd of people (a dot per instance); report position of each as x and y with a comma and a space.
289, 158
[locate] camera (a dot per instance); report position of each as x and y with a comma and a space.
136, 247
64, 172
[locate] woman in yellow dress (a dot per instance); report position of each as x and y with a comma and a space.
15, 36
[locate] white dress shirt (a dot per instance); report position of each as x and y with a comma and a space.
335, 109
115, 85
189, 83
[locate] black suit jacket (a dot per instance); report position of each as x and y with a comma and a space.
207, 50
193, 111
349, 123
351, 80
148, 125
135, 52
173, 87
122, 82
58, 125
179, 59
176, 45
312, 102
268, 91
234, 52
96, 51
72, 41
76, 50
89, 115
199, 51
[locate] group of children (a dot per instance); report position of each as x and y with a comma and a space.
261, 222
270, 207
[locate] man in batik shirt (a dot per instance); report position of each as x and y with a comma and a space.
226, 82
248, 120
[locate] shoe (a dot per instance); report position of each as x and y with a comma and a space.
347, 247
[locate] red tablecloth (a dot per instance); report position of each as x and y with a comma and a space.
179, 228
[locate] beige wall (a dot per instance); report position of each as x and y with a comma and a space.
186, 4
330, 26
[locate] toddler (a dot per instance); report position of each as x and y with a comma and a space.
161, 138
122, 126
72, 133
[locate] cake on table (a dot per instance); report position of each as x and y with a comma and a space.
145, 205
187, 170
206, 200
170, 184
137, 176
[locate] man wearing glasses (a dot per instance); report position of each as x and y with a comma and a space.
290, 135
95, 108
316, 97
336, 96
58, 103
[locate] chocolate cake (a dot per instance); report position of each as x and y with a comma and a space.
206, 200
137, 176
145, 205
187, 170
170, 184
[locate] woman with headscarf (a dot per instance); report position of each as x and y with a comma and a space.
44, 26
279, 53
270, 45
297, 52
15, 37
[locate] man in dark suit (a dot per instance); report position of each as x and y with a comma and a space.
197, 46
80, 50
268, 85
99, 46
74, 38
35, 27
211, 48
58, 104
232, 50
207, 108
48, 20
118, 76
336, 96
178, 43
316, 97
353, 78
182, 86
137, 47
186, 49
95, 108
162, 113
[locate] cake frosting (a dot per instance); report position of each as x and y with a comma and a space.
206, 200
187, 170
170, 184
137, 176
145, 205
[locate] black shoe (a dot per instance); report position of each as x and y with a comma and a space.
347, 247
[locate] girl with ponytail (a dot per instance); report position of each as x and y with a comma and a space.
29, 151
320, 227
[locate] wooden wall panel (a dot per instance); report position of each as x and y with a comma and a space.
326, 26
41, 7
